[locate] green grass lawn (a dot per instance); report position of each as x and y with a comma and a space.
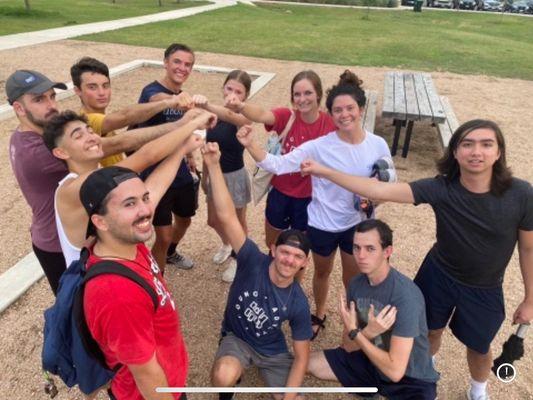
468, 43
55, 13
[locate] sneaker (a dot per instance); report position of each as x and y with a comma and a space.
222, 254
179, 261
229, 274
484, 396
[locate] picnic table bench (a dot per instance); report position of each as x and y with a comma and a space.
448, 127
369, 115
410, 97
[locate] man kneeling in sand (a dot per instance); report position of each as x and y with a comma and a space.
385, 339
263, 295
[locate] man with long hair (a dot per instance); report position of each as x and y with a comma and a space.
481, 213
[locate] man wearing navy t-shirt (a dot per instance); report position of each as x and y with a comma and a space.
263, 295
180, 201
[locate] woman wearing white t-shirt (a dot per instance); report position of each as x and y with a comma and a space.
333, 211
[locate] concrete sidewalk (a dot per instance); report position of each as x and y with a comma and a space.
49, 35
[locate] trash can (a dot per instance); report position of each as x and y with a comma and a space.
417, 6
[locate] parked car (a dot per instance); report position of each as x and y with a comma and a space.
441, 3
468, 4
519, 7
492, 5
408, 2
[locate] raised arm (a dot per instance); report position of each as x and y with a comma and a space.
224, 207
366, 187
524, 312
137, 113
156, 150
223, 113
134, 139
284, 164
162, 176
253, 112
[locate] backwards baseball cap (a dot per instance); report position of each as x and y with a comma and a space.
294, 238
25, 81
98, 185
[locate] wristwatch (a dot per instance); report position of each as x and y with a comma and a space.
353, 333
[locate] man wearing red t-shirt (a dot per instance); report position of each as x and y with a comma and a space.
147, 343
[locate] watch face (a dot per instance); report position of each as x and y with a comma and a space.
353, 333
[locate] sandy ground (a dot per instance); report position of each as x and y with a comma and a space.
199, 293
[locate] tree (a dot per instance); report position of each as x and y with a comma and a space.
27, 5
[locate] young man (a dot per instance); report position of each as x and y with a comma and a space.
93, 86
69, 138
180, 201
385, 340
146, 343
481, 213
37, 172
263, 295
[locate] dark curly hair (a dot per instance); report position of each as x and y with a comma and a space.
349, 84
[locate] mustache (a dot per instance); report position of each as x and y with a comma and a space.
141, 219
51, 113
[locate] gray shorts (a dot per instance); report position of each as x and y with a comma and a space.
238, 183
273, 369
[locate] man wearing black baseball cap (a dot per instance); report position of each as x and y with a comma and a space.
146, 345
33, 98
262, 296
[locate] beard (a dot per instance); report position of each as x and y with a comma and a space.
38, 121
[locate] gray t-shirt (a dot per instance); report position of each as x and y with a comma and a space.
400, 292
476, 233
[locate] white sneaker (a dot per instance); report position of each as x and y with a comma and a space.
222, 254
484, 396
229, 274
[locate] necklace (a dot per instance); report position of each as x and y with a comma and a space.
283, 305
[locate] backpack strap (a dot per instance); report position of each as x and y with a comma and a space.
115, 268
102, 268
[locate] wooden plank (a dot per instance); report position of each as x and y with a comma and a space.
411, 102
424, 109
388, 96
369, 121
448, 127
434, 99
399, 96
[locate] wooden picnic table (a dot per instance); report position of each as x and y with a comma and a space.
410, 97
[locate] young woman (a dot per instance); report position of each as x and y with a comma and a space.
237, 84
333, 211
481, 212
291, 193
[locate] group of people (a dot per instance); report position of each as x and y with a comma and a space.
84, 191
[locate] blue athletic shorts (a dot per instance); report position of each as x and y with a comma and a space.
283, 212
324, 243
355, 370
476, 313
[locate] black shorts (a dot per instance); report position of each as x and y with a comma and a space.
182, 201
324, 243
284, 211
476, 313
355, 370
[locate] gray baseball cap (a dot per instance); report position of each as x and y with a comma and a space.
25, 81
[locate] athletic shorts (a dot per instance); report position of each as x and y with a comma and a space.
274, 369
238, 183
283, 212
182, 201
355, 370
324, 243
476, 313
